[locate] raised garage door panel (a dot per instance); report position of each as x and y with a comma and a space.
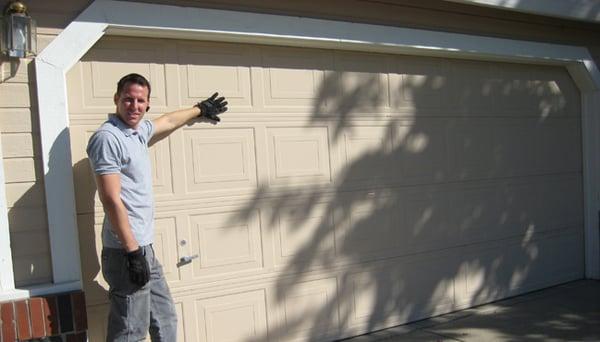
343, 191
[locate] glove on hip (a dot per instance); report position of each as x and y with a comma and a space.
139, 271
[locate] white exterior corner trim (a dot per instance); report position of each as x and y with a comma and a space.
113, 18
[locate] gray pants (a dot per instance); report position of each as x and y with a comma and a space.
134, 310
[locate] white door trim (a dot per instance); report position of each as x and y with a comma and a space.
115, 18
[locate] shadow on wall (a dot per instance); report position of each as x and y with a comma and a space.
89, 246
8, 68
459, 186
27, 216
29, 232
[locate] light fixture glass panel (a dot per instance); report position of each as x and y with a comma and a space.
20, 31
32, 38
18, 36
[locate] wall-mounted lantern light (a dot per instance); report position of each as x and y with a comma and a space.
18, 38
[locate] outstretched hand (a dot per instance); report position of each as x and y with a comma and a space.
212, 107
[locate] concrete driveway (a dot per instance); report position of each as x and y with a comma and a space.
568, 312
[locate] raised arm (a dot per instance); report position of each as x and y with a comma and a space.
167, 123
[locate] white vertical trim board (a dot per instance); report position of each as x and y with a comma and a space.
51, 67
113, 17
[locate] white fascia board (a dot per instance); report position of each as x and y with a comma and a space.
164, 21
582, 10
208, 24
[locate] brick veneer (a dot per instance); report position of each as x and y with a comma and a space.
59, 317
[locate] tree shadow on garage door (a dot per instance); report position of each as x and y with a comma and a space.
438, 185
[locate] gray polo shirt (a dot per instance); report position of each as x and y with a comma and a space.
118, 148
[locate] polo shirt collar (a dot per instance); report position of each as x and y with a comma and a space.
128, 131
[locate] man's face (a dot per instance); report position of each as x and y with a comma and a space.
132, 103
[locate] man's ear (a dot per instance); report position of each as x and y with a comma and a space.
148, 108
116, 98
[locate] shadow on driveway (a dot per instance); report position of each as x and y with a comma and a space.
568, 312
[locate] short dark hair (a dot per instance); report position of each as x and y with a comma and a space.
133, 78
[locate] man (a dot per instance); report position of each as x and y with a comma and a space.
140, 301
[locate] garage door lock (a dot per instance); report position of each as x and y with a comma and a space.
186, 260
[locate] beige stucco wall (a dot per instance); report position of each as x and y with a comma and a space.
19, 119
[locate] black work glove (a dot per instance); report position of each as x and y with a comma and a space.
212, 106
139, 271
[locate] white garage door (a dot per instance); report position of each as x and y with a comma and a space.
343, 192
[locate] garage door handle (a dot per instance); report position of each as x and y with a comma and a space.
186, 260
